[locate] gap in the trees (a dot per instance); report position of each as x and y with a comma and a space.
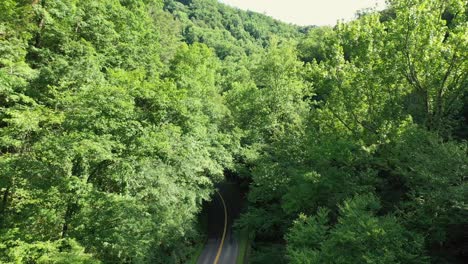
217, 219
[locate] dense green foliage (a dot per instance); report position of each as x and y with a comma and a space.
102, 148
117, 117
384, 119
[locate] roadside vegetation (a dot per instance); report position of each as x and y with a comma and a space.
117, 117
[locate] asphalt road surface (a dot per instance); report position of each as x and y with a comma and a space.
218, 250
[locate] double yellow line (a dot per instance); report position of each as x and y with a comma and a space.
224, 232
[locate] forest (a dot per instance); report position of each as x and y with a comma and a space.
119, 117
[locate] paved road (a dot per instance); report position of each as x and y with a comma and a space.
230, 194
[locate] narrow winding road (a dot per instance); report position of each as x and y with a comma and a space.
222, 245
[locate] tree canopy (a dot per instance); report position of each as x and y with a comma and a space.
118, 117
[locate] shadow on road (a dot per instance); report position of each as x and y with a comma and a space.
232, 196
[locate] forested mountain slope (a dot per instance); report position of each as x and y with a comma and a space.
112, 130
117, 117
229, 31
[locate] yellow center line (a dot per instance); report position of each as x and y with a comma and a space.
224, 232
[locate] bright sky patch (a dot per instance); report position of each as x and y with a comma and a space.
308, 12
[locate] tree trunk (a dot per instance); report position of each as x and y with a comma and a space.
3, 207
428, 110
6, 195
71, 208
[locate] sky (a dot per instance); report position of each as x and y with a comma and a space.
307, 12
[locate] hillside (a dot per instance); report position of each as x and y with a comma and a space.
229, 31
